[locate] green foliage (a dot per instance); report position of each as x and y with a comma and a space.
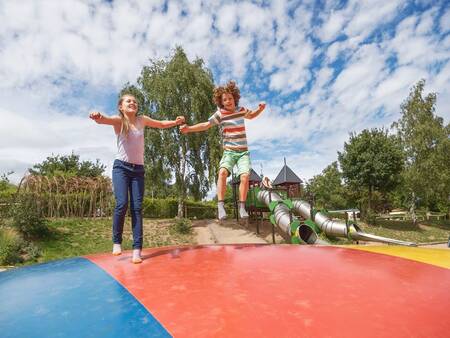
27, 219
181, 226
370, 217
7, 192
229, 198
169, 89
426, 232
69, 166
11, 245
168, 208
4, 181
426, 140
328, 189
159, 207
200, 210
371, 161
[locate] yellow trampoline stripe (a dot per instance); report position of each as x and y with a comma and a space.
438, 257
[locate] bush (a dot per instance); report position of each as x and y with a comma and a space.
6, 200
201, 210
181, 226
26, 218
159, 207
31, 251
370, 217
11, 245
168, 208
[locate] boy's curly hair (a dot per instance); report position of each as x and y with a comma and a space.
230, 88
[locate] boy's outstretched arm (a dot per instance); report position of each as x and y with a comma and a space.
149, 122
102, 119
251, 114
185, 129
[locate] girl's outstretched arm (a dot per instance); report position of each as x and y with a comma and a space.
185, 129
102, 119
252, 114
149, 122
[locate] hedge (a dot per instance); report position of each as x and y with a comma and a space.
168, 208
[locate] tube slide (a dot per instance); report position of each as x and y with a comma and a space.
288, 223
293, 228
341, 229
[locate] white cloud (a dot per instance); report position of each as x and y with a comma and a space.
445, 21
227, 19
395, 88
369, 15
332, 26
425, 25
29, 141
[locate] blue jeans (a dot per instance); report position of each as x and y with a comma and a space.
128, 177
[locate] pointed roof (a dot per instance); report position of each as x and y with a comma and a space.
286, 175
254, 177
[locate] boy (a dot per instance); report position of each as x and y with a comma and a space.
231, 118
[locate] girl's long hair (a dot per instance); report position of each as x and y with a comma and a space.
125, 127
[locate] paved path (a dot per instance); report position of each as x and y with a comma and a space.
226, 232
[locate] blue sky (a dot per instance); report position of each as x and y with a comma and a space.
324, 68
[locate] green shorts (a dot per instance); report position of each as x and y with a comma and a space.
239, 158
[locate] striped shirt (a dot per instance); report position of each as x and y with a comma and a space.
233, 128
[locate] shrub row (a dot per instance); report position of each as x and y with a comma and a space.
168, 208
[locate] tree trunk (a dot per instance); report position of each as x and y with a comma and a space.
412, 209
182, 190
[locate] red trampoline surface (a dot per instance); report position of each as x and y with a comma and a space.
286, 291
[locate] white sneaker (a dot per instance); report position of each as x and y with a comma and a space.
117, 249
222, 214
136, 256
243, 213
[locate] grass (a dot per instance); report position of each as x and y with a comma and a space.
71, 237
432, 231
423, 232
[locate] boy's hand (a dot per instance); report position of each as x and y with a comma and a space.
179, 120
95, 115
184, 129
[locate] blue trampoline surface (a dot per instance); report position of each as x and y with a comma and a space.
70, 298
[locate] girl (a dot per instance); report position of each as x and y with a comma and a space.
128, 168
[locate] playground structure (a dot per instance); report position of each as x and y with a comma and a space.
297, 220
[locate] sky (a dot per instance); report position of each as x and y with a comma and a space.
324, 68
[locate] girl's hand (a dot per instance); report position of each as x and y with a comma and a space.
179, 120
95, 115
261, 106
